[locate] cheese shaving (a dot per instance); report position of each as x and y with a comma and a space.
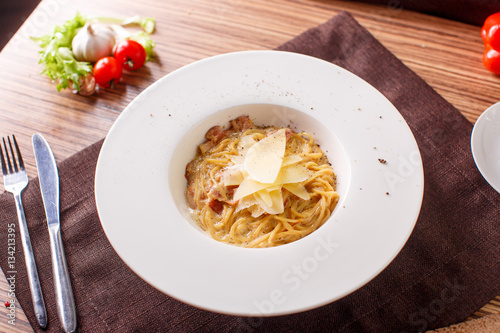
261, 171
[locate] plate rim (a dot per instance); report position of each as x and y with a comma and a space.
477, 141
403, 240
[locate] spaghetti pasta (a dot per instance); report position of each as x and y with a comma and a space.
212, 196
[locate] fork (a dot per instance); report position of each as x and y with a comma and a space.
15, 181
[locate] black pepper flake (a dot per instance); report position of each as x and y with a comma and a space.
382, 161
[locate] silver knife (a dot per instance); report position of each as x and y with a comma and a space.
49, 186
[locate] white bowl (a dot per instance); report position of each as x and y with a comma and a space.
485, 145
140, 183
261, 115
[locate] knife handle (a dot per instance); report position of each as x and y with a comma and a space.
33, 279
64, 294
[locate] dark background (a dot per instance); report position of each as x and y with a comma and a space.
12, 15
468, 11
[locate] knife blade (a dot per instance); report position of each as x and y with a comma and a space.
49, 186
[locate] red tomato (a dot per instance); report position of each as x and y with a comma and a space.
130, 54
490, 32
107, 72
491, 59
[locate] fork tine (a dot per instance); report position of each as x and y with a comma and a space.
14, 162
18, 151
4, 166
7, 157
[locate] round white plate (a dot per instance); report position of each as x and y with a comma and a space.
485, 143
140, 183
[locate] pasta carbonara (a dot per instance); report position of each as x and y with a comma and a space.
259, 186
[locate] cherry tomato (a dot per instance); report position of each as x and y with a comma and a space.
130, 54
107, 72
490, 32
491, 59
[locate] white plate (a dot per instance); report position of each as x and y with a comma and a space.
485, 143
140, 182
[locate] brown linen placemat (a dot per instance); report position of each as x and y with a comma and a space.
448, 269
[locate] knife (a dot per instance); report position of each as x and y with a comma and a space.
49, 186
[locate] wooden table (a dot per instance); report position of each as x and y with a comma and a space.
446, 54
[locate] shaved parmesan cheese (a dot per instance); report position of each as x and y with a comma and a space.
291, 159
245, 202
277, 198
263, 160
247, 187
261, 170
277, 203
265, 196
256, 210
245, 143
293, 174
233, 176
299, 190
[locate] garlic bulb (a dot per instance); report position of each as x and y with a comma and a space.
92, 43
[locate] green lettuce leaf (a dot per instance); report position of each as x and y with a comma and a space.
57, 57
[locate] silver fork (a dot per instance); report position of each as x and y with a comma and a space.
15, 180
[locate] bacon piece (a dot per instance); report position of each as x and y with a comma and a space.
190, 197
216, 206
206, 146
214, 193
241, 124
190, 170
230, 190
215, 134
